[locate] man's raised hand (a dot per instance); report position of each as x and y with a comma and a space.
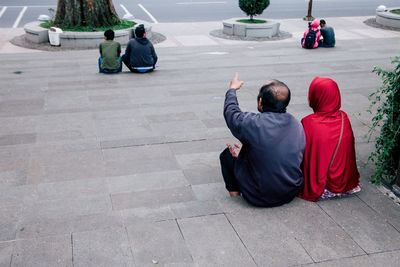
234, 150
235, 82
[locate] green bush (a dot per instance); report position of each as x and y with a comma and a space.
395, 11
387, 117
253, 7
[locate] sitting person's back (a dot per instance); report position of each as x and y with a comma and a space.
311, 36
267, 170
110, 61
329, 164
328, 35
140, 55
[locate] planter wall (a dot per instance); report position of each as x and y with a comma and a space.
236, 28
36, 34
387, 18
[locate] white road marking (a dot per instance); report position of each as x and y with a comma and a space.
128, 14
124, 8
200, 3
2, 11
217, 53
21, 14
32, 6
148, 13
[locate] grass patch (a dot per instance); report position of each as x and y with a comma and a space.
124, 24
45, 24
254, 21
395, 11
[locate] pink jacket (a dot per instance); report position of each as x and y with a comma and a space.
314, 26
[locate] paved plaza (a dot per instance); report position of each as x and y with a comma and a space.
123, 170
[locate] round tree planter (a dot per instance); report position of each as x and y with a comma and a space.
36, 34
387, 18
259, 30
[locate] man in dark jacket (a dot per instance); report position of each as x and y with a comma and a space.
266, 169
140, 55
328, 35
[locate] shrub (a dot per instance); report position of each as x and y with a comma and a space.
395, 11
253, 7
387, 147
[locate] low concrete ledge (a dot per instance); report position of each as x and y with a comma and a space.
261, 30
91, 39
387, 18
36, 34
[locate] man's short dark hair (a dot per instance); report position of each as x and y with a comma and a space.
109, 34
140, 31
275, 96
322, 21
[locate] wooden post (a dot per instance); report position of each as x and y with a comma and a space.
309, 17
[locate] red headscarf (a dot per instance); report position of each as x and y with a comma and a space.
322, 130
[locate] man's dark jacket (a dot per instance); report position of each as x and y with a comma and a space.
268, 167
328, 35
141, 53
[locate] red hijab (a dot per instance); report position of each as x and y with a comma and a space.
322, 130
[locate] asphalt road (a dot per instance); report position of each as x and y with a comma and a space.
15, 13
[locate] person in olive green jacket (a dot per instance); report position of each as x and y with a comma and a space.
110, 51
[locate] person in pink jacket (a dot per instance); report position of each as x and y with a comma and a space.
311, 35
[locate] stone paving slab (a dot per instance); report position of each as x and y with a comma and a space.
389, 259
146, 182
151, 198
6, 251
49, 251
121, 170
8, 223
383, 205
212, 241
269, 241
161, 242
31, 226
109, 247
365, 226
320, 235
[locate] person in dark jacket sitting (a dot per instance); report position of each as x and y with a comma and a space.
265, 170
140, 55
328, 35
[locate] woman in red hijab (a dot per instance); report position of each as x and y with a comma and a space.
329, 164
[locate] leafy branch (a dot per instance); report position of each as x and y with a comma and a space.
387, 117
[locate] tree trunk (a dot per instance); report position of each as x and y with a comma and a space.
396, 186
309, 8
91, 13
309, 17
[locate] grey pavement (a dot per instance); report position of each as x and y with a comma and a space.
123, 170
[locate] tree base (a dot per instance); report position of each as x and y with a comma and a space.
308, 18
